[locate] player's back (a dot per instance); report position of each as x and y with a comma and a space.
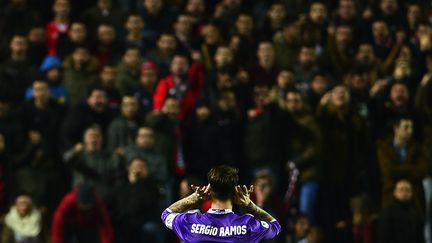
221, 226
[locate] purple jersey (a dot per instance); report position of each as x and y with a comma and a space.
219, 226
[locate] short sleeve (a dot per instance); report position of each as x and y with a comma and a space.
168, 218
265, 230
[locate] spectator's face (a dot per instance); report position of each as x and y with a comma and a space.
202, 113
106, 34
399, 95
184, 189
93, 140
53, 75
108, 75
145, 138
301, 228
129, 107
223, 56
318, 13
61, 7
365, 54
183, 25
148, 78
179, 66
319, 84
134, 23
339, 96
78, 33
195, 7
388, 7
266, 52
37, 35
343, 35
224, 81
40, 91
285, 79
132, 57
80, 56
404, 130
153, 6
23, 205
227, 102
211, 34
307, 56
346, 9
167, 43
359, 82
277, 13
244, 24
413, 13
263, 186
291, 32
235, 42
97, 100
294, 102
139, 168
261, 94
403, 191
171, 108
405, 54
18, 45
380, 30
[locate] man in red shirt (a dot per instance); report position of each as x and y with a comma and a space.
185, 84
82, 217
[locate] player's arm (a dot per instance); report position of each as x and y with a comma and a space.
187, 203
242, 198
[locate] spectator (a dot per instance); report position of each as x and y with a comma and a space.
108, 80
136, 206
10, 127
168, 136
161, 55
52, 72
212, 40
284, 82
89, 162
82, 216
122, 130
319, 85
23, 223
400, 221
401, 157
79, 73
104, 13
144, 147
59, 25
273, 21
43, 114
15, 72
148, 82
93, 111
185, 84
18, 18
157, 16
287, 45
345, 154
5, 173
301, 228
129, 70
183, 33
303, 146
134, 36
77, 36
36, 45
305, 67
106, 47
265, 71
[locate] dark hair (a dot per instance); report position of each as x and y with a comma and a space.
222, 181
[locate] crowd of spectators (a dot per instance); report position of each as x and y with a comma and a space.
109, 109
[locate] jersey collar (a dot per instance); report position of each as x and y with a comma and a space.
219, 211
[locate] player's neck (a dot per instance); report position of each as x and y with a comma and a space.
217, 204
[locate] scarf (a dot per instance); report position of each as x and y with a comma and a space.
29, 226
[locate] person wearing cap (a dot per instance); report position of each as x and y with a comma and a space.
51, 71
148, 82
82, 216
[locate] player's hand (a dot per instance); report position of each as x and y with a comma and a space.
202, 192
242, 195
